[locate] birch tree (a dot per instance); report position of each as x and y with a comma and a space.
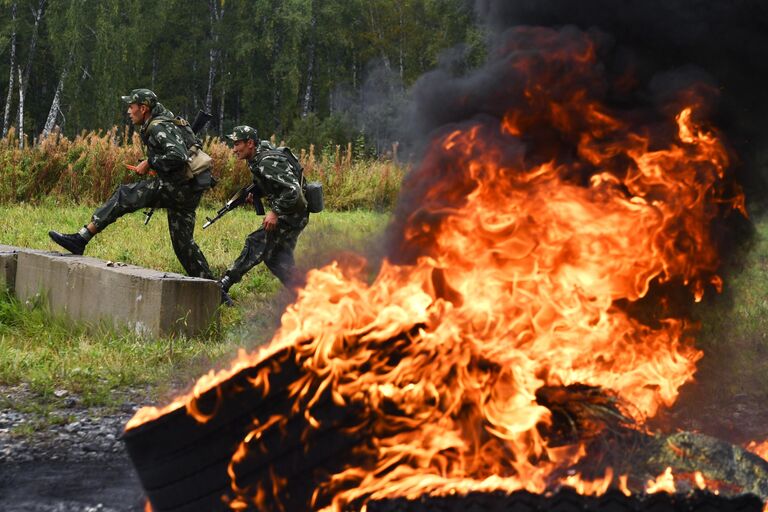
216, 13
20, 118
311, 50
37, 15
9, 97
55, 109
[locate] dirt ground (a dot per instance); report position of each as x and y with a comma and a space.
70, 486
72, 460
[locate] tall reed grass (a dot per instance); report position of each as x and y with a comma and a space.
86, 170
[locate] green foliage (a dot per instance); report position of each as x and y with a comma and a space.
260, 52
330, 131
88, 168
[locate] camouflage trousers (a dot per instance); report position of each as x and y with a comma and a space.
274, 248
180, 201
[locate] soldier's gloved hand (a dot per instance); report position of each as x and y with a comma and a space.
270, 221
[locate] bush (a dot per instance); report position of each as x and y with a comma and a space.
88, 168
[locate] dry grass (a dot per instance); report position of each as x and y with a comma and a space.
86, 170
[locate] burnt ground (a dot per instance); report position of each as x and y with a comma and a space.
728, 398
67, 458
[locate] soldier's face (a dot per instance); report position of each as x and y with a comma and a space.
244, 149
137, 112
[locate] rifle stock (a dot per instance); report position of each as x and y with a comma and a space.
200, 121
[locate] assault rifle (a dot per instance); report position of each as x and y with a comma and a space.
201, 119
237, 200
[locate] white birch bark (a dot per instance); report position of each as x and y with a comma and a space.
12, 77
307, 102
221, 110
21, 108
216, 13
400, 11
376, 27
53, 113
23, 83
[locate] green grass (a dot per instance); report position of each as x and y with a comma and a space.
51, 353
734, 324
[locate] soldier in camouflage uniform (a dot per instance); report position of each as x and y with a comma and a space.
274, 241
171, 188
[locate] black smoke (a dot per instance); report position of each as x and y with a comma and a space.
724, 42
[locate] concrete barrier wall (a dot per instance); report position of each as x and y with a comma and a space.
149, 302
8, 257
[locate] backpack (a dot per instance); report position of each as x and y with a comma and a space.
284, 154
198, 161
313, 190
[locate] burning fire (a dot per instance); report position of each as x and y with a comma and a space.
760, 449
526, 267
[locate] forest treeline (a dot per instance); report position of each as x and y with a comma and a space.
312, 71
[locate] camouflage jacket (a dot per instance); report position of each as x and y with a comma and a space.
281, 186
166, 151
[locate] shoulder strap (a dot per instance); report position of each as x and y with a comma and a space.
157, 120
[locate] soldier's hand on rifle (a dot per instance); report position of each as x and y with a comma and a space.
249, 198
270, 221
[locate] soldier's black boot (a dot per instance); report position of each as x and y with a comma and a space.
224, 284
74, 243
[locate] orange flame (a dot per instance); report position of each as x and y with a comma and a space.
760, 449
523, 277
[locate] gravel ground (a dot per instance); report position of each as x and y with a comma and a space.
70, 461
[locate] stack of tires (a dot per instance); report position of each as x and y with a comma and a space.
566, 500
183, 464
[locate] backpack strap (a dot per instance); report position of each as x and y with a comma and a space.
156, 121
283, 153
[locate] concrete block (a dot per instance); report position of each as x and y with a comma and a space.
149, 302
8, 258
8, 262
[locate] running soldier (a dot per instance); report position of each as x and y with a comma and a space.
278, 174
173, 188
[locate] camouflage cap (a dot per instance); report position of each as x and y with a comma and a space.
243, 132
142, 97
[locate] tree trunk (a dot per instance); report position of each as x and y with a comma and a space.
376, 28
216, 14
276, 90
23, 83
154, 68
21, 108
53, 113
221, 110
237, 110
400, 11
307, 103
11, 78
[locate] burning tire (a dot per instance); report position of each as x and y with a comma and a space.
568, 501
184, 464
